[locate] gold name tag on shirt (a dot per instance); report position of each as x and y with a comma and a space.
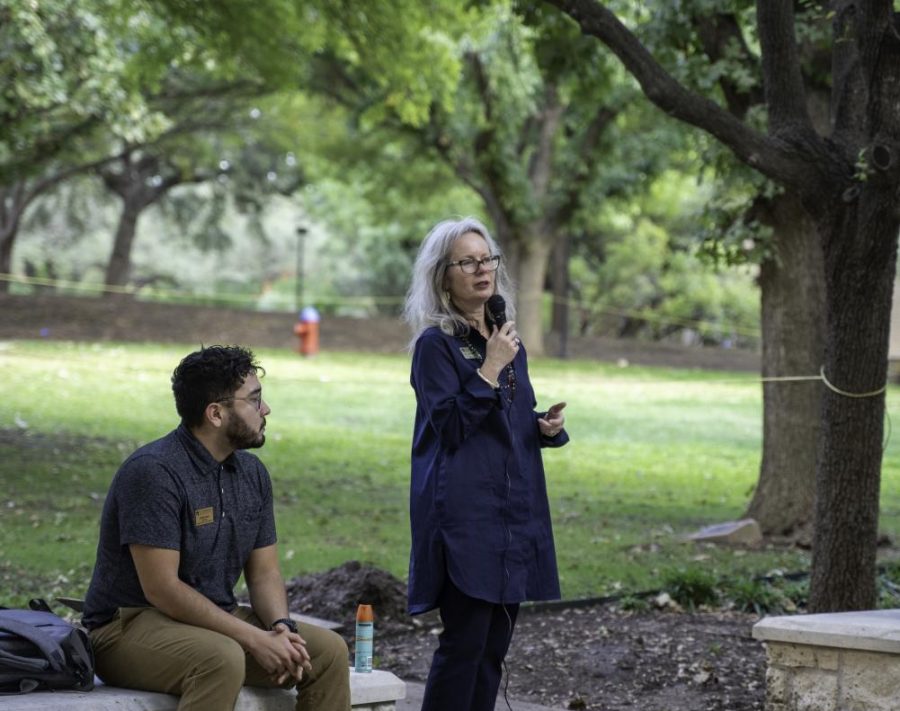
469, 353
203, 516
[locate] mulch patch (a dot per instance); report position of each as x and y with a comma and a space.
570, 655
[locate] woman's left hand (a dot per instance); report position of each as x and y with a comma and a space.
551, 423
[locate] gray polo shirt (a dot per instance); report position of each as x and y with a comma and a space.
172, 494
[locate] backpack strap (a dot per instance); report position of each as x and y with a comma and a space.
82, 658
40, 605
48, 646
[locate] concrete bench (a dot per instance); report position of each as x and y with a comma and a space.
374, 691
844, 661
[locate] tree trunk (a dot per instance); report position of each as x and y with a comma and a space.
512, 255
860, 261
6, 247
15, 198
12, 206
534, 254
138, 188
559, 323
792, 287
849, 183
119, 267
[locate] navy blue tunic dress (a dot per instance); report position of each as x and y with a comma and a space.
478, 498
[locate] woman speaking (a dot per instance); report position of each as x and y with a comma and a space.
482, 540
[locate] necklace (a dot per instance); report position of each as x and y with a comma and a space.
509, 387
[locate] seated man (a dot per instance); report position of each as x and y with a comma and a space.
184, 516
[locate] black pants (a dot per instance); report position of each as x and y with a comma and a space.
468, 663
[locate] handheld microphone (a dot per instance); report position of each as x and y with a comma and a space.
496, 306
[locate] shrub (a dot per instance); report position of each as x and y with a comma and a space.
755, 596
634, 603
691, 587
797, 593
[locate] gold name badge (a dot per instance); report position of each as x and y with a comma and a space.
203, 516
469, 353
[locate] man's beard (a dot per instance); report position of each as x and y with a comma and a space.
240, 436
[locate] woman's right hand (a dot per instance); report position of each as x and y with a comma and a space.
502, 347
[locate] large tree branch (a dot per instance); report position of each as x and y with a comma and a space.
331, 78
485, 150
540, 166
434, 139
48, 181
785, 95
848, 88
866, 79
571, 201
45, 149
603, 117
180, 93
132, 183
769, 155
482, 83
720, 35
878, 42
17, 196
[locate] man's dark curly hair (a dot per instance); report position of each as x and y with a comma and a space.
213, 373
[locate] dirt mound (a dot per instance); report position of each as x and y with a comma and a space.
335, 594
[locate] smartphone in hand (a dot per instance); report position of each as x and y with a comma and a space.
555, 410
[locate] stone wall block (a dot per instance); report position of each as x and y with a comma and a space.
777, 686
870, 681
813, 690
801, 655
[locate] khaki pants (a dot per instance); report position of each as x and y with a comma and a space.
144, 649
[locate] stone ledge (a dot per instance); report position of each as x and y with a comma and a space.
375, 687
375, 691
868, 630
317, 621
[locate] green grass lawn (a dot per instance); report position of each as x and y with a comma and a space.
655, 454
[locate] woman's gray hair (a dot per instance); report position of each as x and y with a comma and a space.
427, 303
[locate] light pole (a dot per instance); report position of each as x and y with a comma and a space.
301, 239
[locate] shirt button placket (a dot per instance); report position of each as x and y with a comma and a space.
221, 491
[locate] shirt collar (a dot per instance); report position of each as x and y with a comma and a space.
202, 459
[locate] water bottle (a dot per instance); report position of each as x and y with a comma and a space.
365, 632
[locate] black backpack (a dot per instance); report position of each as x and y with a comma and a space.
39, 650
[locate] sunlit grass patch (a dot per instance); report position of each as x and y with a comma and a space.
655, 454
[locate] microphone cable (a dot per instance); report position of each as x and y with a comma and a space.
509, 627
509, 622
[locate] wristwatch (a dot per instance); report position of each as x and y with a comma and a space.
287, 622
